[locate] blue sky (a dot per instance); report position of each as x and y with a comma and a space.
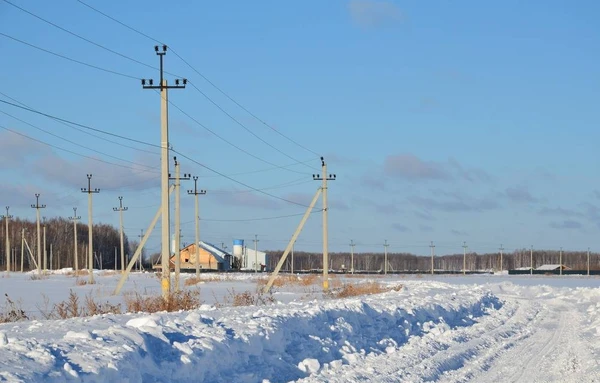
470, 121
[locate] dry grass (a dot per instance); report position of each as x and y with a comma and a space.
12, 311
352, 290
291, 280
83, 282
192, 281
72, 307
246, 298
182, 300
38, 277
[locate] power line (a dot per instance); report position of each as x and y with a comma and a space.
203, 77
82, 130
80, 125
242, 125
75, 143
79, 36
65, 150
68, 58
239, 182
232, 144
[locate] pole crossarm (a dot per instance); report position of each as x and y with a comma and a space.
292, 241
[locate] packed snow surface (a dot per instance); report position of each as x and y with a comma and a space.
457, 329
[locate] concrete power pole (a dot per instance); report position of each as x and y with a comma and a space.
197, 193
164, 156
141, 237
7, 240
531, 260
45, 253
352, 244
75, 218
255, 253
464, 257
501, 260
588, 262
432, 246
121, 209
560, 261
178, 180
385, 258
37, 208
324, 178
89, 192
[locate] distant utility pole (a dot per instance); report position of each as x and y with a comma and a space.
352, 244
121, 209
164, 156
141, 236
7, 240
501, 260
22, 247
588, 262
197, 193
324, 178
44, 246
89, 192
560, 261
464, 257
432, 246
178, 180
385, 257
292, 267
255, 253
531, 260
74, 218
37, 208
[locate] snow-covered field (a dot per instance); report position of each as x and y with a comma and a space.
442, 328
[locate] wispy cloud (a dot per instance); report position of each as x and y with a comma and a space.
400, 227
520, 195
374, 13
385, 208
425, 228
566, 224
560, 212
410, 167
249, 199
460, 233
454, 202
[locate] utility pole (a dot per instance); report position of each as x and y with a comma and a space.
74, 218
588, 262
464, 257
560, 261
531, 260
121, 209
89, 192
324, 178
432, 246
44, 244
385, 261
141, 236
501, 260
292, 271
164, 156
37, 208
177, 180
197, 193
7, 240
352, 256
22, 246
255, 253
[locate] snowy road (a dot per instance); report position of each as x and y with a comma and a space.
542, 337
428, 331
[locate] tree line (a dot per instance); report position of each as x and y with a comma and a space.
372, 261
60, 244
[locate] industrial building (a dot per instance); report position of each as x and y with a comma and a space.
248, 258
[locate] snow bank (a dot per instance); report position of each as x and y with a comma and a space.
276, 343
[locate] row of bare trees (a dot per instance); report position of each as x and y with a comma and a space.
576, 260
60, 244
